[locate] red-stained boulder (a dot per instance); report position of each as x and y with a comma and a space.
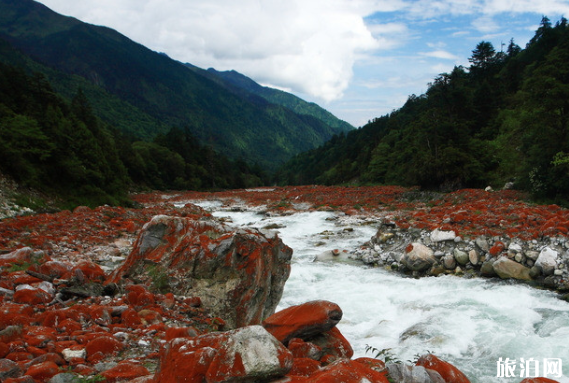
43, 371
125, 371
105, 344
303, 321
304, 367
90, 271
32, 295
55, 269
448, 372
245, 354
333, 345
238, 275
302, 349
374, 364
538, 380
345, 370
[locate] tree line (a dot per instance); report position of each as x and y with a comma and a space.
61, 148
502, 119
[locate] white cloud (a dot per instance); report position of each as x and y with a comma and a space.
441, 54
304, 45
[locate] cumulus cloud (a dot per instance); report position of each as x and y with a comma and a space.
306, 45
310, 47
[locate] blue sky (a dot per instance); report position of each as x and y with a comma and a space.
360, 59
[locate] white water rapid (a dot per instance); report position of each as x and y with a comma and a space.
469, 322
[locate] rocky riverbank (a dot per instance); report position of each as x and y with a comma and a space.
164, 292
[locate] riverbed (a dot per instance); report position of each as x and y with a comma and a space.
473, 323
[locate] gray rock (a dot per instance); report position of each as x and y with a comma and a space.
547, 261
533, 255
474, 257
65, 377
482, 243
404, 373
449, 262
506, 269
441, 236
487, 268
460, 256
420, 258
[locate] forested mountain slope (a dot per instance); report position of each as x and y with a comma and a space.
164, 90
503, 119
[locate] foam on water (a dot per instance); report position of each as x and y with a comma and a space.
469, 322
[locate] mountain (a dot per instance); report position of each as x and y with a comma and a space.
504, 120
246, 87
127, 82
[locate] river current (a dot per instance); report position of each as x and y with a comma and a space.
474, 324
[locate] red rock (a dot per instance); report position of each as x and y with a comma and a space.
344, 371
333, 345
36, 351
85, 370
9, 368
101, 315
106, 345
245, 354
43, 371
150, 317
304, 367
4, 350
239, 276
303, 321
69, 326
302, 349
19, 356
55, 269
32, 296
125, 371
193, 301
180, 332
374, 364
130, 318
91, 271
538, 380
448, 372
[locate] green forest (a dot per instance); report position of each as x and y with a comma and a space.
503, 119
62, 149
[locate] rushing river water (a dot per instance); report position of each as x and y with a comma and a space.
471, 323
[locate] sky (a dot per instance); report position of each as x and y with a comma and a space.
359, 59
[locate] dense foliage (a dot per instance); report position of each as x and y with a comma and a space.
144, 93
503, 119
64, 150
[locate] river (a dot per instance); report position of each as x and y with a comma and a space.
471, 323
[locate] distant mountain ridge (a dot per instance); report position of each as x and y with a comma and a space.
134, 81
279, 97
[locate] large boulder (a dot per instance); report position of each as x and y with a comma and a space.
303, 321
239, 275
547, 261
506, 269
246, 354
418, 257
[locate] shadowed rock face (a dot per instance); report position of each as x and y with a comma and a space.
238, 274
